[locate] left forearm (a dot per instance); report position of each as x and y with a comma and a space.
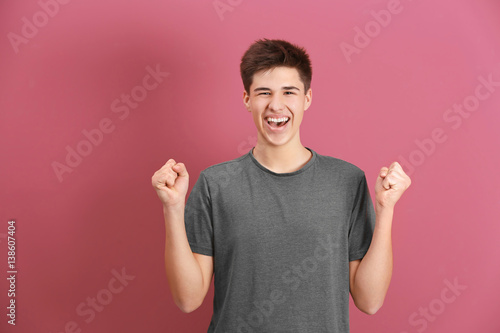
374, 272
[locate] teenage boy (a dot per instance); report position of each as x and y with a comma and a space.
286, 232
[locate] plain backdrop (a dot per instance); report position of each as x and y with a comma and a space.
416, 82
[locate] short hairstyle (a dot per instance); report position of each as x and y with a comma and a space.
266, 54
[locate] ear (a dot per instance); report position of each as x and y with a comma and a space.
246, 100
308, 99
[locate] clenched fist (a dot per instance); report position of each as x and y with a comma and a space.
171, 183
390, 185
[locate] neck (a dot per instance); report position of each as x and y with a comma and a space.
282, 159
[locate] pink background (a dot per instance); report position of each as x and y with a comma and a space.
377, 105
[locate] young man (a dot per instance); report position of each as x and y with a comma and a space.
286, 232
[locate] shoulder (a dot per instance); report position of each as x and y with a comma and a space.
340, 166
221, 172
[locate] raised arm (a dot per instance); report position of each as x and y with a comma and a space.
189, 274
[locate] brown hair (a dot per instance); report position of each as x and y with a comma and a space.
270, 53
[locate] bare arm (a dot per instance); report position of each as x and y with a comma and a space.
189, 274
371, 276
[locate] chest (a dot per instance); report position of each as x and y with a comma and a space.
282, 220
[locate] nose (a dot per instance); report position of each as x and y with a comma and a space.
277, 103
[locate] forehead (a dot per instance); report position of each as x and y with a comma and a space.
276, 77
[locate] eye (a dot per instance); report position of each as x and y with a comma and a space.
289, 93
264, 93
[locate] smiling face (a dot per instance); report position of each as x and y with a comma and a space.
277, 93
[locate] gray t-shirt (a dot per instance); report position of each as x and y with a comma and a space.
281, 242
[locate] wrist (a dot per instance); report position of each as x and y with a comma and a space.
173, 209
381, 208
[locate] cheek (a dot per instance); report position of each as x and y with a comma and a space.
253, 105
295, 108
295, 104
256, 117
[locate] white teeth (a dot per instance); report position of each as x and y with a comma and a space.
277, 120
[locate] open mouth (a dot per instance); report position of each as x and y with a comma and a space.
277, 124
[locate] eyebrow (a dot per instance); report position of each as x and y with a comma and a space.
282, 88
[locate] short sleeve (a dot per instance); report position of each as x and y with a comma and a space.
198, 218
362, 222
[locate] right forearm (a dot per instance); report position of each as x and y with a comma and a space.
183, 271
